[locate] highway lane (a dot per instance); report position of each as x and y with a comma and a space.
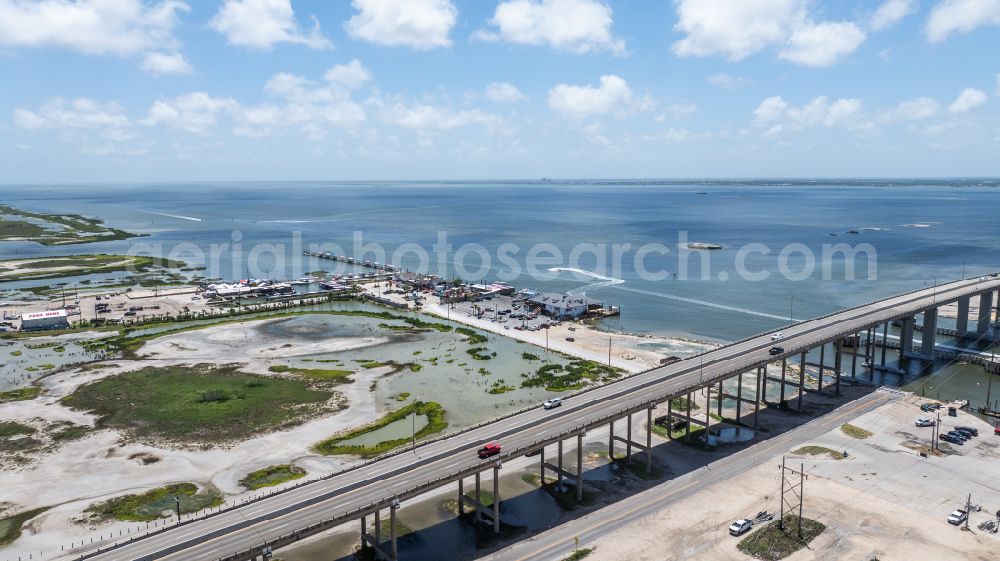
398, 475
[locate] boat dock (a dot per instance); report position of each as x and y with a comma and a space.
352, 261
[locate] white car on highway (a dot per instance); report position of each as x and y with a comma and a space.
552, 403
776, 336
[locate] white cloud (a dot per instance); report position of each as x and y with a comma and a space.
737, 30
914, 110
612, 96
165, 63
503, 92
727, 81
822, 44
425, 117
969, 99
890, 13
195, 112
121, 27
776, 112
576, 26
98, 128
351, 75
260, 24
80, 113
961, 16
419, 24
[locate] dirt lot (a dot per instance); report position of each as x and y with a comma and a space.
883, 499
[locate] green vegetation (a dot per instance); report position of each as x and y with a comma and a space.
13, 428
499, 387
855, 432
56, 229
151, 505
681, 404
414, 367
402, 396
479, 353
75, 265
772, 543
341, 376
15, 353
20, 394
819, 451
10, 527
579, 554
271, 476
529, 356
199, 403
435, 423
472, 336
572, 376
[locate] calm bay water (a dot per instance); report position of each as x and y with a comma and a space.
957, 230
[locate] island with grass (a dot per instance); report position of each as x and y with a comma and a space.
55, 229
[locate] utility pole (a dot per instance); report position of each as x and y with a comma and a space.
968, 509
797, 490
609, 359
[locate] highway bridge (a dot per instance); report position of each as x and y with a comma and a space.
364, 494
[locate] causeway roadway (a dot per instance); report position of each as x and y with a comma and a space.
346, 496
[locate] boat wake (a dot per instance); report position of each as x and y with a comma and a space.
178, 216
704, 303
602, 280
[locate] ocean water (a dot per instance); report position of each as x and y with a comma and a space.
920, 232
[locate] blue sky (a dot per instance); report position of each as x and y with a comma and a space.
171, 90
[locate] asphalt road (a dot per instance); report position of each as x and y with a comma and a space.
555, 543
437, 462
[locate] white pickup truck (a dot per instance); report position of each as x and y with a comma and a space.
957, 517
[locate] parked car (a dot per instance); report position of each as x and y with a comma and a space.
972, 430
491, 449
950, 439
957, 436
922, 422
571, 339
964, 432
775, 351
776, 336
957, 517
552, 403
740, 527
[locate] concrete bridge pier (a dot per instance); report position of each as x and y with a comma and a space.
985, 312
579, 467
885, 339
611, 440
837, 365
496, 501
962, 321
559, 484
905, 337
479, 511
929, 333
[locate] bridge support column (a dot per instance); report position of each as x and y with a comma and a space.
378, 527
687, 434
496, 500
837, 363
479, 512
461, 494
962, 322
718, 404
854, 356
802, 379
761, 388
364, 532
628, 439
392, 530
906, 336
559, 483
670, 419
649, 439
885, 339
822, 367
985, 312
739, 394
781, 399
928, 336
579, 468
611, 440
541, 474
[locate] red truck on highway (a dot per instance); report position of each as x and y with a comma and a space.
491, 449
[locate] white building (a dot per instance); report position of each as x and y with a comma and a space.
563, 305
50, 319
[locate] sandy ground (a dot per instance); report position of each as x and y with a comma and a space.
589, 343
883, 499
101, 464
